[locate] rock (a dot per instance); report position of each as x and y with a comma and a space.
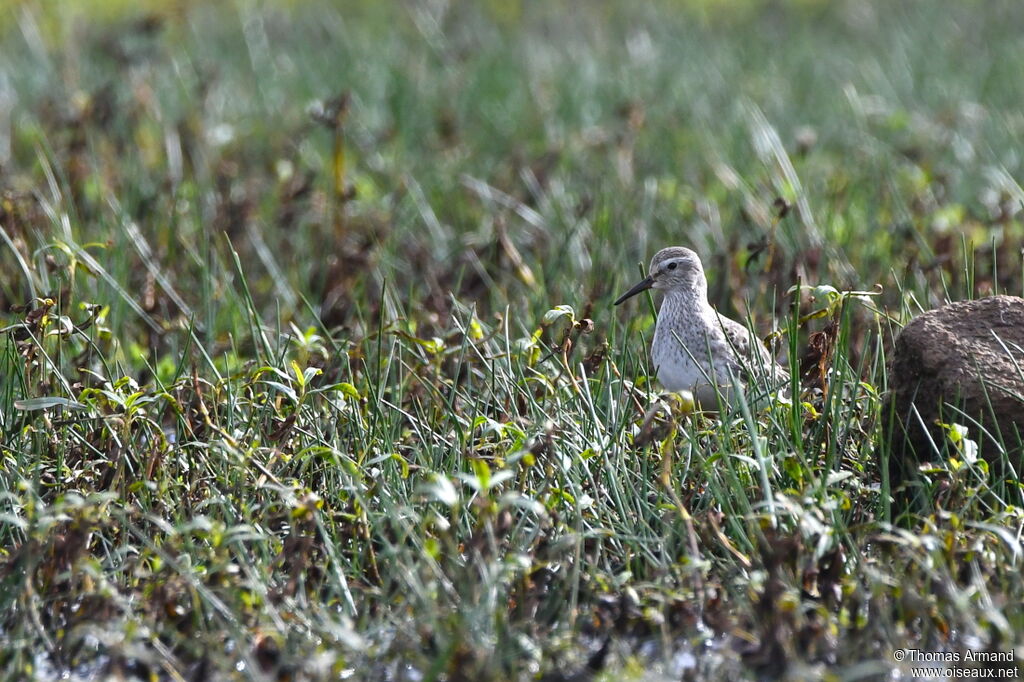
969, 355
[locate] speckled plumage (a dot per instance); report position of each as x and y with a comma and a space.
695, 348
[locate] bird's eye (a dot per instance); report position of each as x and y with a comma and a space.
672, 266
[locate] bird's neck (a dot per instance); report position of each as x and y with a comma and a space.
692, 298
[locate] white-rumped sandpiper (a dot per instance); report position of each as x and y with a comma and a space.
695, 348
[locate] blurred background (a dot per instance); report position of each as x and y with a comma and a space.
511, 153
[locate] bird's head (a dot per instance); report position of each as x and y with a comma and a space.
673, 269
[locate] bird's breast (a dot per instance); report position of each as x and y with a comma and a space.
673, 354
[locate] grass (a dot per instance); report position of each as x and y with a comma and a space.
310, 369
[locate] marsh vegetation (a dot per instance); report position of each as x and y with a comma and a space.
309, 367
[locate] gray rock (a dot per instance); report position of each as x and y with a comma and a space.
965, 356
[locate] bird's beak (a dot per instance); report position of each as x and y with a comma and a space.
642, 285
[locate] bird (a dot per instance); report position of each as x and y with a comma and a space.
695, 348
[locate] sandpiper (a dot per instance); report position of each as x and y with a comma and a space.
695, 348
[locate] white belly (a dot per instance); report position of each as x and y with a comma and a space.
683, 366
676, 369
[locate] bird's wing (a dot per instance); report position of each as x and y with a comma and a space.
749, 347
739, 337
